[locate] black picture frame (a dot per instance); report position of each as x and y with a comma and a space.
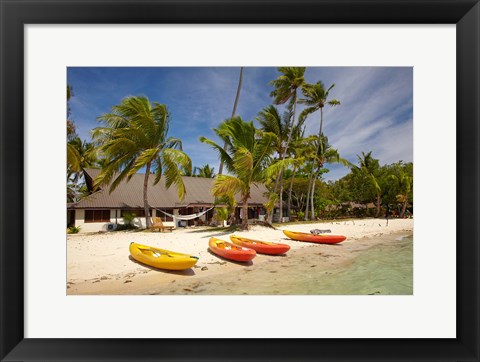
15, 14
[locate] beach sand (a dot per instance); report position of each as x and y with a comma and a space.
100, 263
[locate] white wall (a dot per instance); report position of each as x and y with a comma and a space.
90, 227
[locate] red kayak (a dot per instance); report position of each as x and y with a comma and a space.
322, 239
262, 247
230, 251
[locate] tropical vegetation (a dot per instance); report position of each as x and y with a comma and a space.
274, 149
246, 158
135, 137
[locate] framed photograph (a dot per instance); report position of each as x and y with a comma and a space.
145, 271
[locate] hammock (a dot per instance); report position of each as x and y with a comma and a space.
186, 217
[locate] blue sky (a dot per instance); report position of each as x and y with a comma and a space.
376, 111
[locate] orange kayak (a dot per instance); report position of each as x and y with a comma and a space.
230, 251
322, 239
262, 247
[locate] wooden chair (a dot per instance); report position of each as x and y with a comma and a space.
158, 224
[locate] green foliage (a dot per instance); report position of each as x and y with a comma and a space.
229, 201
123, 227
287, 83
205, 171
246, 157
316, 97
128, 217
270, 204
222, 214
394, 180
73, 229
135, 135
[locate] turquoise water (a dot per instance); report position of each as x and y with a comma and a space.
379, 266
385, 269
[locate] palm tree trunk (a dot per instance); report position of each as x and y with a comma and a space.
314, 183
277, 182
312, 206
379, 200
290, 132
145, 199
289, 206
281, 196
307, 206
310, 178
404, 207
245, 212
286, 150
240, 80
231, 218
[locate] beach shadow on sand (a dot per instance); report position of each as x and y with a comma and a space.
215, 231
186, 272
313, 242
242, 263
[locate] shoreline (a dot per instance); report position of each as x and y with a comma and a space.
100, 264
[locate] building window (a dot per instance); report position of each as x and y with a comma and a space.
97, 215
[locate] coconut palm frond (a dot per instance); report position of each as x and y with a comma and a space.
145, 157
227, 185
224, 156
243, 163
173, 176
158, 167
73, 159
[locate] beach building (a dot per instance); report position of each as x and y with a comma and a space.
102, 210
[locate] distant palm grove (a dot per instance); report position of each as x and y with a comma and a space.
273, 149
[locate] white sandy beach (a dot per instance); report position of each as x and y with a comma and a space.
100, 263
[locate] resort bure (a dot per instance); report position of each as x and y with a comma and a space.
104, 211
239, 181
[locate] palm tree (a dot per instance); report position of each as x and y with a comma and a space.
316, 97
404, 184
205, 171
300, 149
325, 154
369, 167
271, 121
285, 90
230, 205
188, 171
270, 204
73, 156
239, 87
135, 137
246, 158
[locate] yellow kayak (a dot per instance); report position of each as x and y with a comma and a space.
160, 258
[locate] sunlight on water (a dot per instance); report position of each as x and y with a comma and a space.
378, 266
383, 269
